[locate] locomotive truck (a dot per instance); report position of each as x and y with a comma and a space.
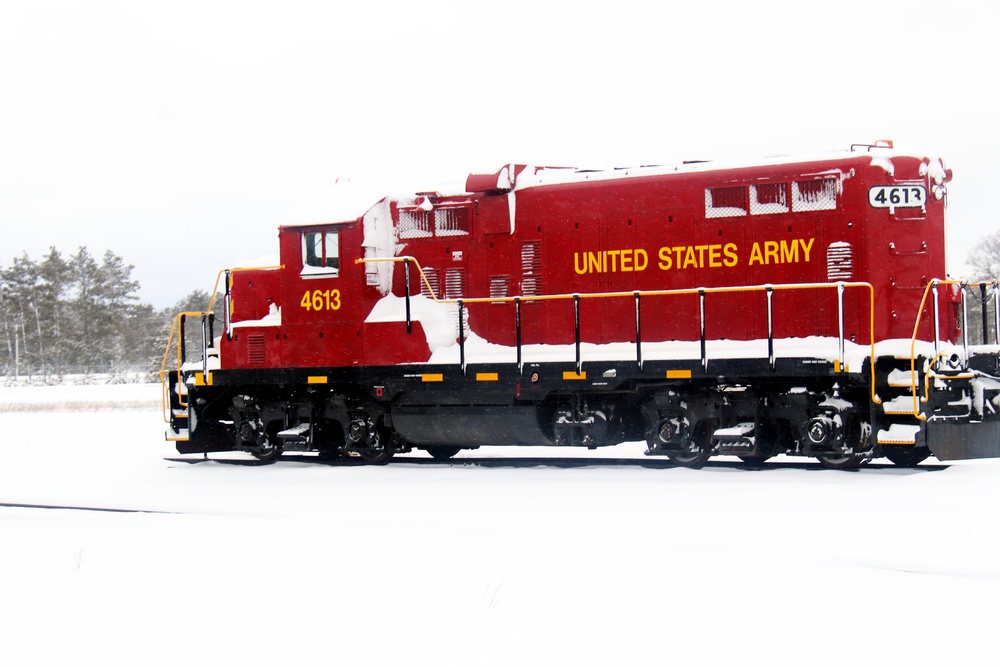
784, 306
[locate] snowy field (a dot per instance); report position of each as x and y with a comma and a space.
420, 563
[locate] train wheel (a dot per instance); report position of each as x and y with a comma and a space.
905, 455
381, 448
442, 452
843, 461
857, 440
699, 450
267, 453
690, 459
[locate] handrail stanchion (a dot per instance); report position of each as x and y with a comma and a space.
517, 329
638, 331
576, 317
461, 334
937, 318
984, 312
965, 322
227, 315
182, 353
406, 278
996, 313
204, 345
769, 290
840, 325
701, 317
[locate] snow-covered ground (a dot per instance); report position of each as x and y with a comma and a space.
300, 563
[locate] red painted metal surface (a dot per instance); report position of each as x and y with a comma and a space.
528, 232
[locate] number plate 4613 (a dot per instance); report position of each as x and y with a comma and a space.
898, 196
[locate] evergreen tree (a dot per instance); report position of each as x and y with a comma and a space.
103, 298
50, 287
80, 315
22, 316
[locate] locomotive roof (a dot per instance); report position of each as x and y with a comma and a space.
541, 176
347, 201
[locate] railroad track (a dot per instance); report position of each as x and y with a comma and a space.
555, 462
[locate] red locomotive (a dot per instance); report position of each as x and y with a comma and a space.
785, 306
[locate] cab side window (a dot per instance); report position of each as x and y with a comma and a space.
320, 253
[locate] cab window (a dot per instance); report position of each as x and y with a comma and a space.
320, 254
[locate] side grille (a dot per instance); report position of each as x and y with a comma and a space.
454, 283
435, 284
414, 224
839, 261
815, 195
499, 287
256, 350
451, 221
531, 268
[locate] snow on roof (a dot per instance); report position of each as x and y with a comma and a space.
345, 200
535, 177
340, 201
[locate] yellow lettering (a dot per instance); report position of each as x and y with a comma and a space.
806, 247
641, 259
714, 252
678, 250
770, 252
665, 262
701, 255
755, 255
627, 260
613, 254
594, 262
580, 270
320, 300
731, 258
789, 253
689, 258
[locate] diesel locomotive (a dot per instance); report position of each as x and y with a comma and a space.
795, 305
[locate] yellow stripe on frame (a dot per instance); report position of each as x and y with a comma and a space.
679, 375
573, 375
432, 377
487, 377
200, 379
317, 379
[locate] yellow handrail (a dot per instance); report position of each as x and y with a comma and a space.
668, 292
175, 327
175, 330
914, 385
218, 277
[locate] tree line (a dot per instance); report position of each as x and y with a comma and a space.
79, 315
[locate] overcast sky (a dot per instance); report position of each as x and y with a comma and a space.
181, 134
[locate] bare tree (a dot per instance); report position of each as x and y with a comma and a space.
985, 258
985, 263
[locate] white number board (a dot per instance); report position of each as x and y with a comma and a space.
898, 196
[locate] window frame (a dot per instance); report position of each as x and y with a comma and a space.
325, 269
